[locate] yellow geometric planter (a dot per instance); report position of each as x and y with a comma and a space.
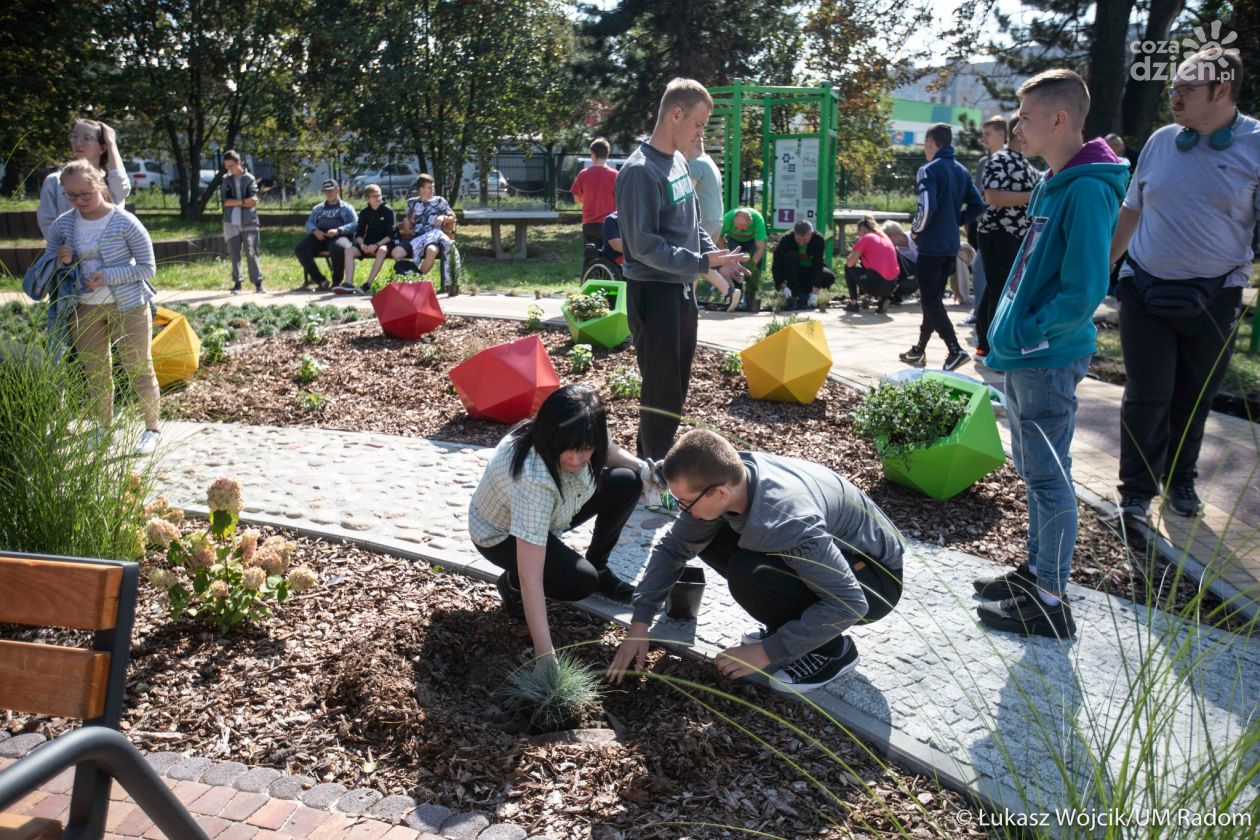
789, 366
176, 349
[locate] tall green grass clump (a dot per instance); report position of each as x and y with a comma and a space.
552, 693
66, 487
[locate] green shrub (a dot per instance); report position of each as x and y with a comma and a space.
266, 328
904, 416
213, 345
624, 382
533, 318
775, 325
586, 307
309, 368
552, 693
350, 315
311, 402
732, 364
216, 575
312, 330
69, 487
580, 358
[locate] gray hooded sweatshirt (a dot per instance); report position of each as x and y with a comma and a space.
815, 520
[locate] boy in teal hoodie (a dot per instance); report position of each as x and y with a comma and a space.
1042, 337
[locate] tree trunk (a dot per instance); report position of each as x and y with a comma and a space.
1108, 55
14, 167
1142, 99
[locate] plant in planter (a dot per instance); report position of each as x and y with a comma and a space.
533, 318
936, 434
598, 315
217, 575
752, 291
552, 696
824, 300
790, 363
406, 308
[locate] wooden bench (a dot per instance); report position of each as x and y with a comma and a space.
844, 217
522, 219
43, 679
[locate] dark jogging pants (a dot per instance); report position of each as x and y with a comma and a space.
663, 319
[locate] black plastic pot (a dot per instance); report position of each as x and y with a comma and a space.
684, 597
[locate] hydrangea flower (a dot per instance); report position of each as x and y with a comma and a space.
200, 551
163, 578
271, 559
286, 548
249, 544
225, 494
302, 578
161, 533
253, 578
219, 589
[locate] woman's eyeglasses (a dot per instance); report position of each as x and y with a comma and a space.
78, 196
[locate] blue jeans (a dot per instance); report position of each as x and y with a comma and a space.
1041, 407
978, 282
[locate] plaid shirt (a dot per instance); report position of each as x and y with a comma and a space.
529, 507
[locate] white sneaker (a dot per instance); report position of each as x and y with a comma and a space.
735, 297
148, 442
787, 295
812, 301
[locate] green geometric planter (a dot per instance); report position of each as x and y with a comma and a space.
607, 331
953, 463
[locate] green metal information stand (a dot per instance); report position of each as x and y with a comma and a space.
799, 168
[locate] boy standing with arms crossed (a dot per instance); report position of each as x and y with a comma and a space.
1042, 337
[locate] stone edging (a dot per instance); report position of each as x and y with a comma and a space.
431, 820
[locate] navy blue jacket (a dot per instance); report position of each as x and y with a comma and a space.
948, 199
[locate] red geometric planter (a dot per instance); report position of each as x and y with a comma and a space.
507, 382
407, 310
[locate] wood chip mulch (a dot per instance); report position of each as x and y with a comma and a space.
375, 383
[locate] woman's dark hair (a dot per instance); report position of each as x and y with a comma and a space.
573, 417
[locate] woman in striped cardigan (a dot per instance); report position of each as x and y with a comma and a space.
115, 257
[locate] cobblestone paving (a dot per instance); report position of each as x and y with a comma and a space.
1022, 721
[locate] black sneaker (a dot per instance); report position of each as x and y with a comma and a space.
1026, 614
343, 289
258, 287
814, 670
883, 306
236, 288
1183, 500
511, 595
323, 285
1132, 508
956, 359
1002, 587
852, 306
614, 588
914, 356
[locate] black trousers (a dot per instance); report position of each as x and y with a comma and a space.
772, 593
306, 250
567, 575
663, 319
1173, 368
593, 232
933, 279
998, 250
860, 279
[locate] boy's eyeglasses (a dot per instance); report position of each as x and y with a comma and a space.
687, 506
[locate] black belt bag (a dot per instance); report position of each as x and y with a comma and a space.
1175, 298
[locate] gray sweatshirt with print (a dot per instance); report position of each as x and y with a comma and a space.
817, 521
661, 236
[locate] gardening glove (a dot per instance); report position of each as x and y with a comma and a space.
653, 480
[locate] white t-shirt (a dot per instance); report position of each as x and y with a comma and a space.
87, 247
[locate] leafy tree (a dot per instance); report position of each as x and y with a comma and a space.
199, 71
632, 50
443, 80
53, 69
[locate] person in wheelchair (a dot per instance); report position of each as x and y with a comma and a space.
605, 263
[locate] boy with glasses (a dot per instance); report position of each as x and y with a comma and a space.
804, 551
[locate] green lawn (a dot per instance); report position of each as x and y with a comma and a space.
555, 257
1244, 367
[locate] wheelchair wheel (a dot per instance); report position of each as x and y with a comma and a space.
601, 269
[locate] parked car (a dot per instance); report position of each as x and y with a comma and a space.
496, 185
394, 179
146, 174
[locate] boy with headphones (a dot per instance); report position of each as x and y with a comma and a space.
1187, 223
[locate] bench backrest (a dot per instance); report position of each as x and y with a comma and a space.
95, 595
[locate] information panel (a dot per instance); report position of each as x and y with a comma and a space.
795, 182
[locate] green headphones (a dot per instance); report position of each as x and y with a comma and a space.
1218, 140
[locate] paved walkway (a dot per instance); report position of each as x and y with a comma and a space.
991, 711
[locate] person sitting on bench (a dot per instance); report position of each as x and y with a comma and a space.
803, 550
431, 215
329, 227
375, 234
